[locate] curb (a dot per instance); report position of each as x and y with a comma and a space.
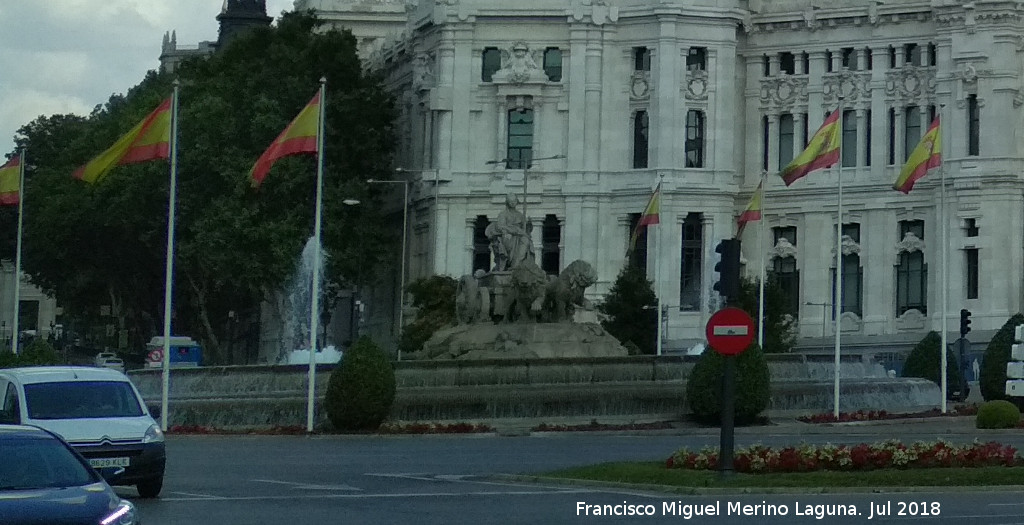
700, 491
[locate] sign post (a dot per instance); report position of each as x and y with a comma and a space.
729, 332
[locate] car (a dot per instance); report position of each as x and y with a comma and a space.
98, 412
113, 363
44, 481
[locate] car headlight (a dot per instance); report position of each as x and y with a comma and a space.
124, 514
153, 435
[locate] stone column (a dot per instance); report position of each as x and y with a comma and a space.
862, 59
773, 64
799, 140
592, 114
664, 120
837, 60
575, 78
444, 130
502, 145
900, 137
773, 142
799, 59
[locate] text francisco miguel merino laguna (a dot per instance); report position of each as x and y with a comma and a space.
735, 508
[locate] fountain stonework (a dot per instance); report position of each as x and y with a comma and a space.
516, 311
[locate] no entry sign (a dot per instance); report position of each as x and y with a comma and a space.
730, 331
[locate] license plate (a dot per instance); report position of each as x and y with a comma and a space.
108, 462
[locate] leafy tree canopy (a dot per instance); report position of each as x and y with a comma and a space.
104, 244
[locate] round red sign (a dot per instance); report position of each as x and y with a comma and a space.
730, 331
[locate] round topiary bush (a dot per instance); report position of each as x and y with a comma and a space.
997, 414
925, 362
753, 385
993, 365
361, 389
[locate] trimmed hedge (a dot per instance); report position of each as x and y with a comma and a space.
753, 385
925, 362
997, 414
993, 366
39, 352
361, 388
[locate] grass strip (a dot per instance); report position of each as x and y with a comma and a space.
655, 473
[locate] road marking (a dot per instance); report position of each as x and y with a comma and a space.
307, 486
203, 496
419, 476
405, 495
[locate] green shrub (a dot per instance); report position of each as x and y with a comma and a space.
361, 389
997, 414
753, 385
993, 365
632, 307
37, 353
925, 362
434, 298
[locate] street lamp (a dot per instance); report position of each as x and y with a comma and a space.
355, 288
526, 177
405, 229
824, 321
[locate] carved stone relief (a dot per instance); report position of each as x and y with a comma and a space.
850, 322
908, 85
697, 85
910, 243
640, 85
848, 246
853, 85
783, 93
519, 65
911, 320
782, 249
423, 71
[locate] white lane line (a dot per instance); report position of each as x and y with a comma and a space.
307, 486
196, 495
404, 495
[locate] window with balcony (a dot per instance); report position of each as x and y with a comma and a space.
520, 139
641, 131
695, 131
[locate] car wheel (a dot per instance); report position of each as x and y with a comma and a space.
151, 487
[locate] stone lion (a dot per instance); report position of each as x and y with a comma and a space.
528, 283
564, 293
468, 304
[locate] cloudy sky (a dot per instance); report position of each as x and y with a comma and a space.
67, 56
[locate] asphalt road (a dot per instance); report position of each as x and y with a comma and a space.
448, 479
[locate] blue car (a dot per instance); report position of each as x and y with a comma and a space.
43, 481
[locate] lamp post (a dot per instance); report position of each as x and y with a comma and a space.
405, 235
355, 289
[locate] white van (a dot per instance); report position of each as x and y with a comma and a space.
98, 412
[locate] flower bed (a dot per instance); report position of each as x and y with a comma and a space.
595, 426
432, 428
875, 415
883, 455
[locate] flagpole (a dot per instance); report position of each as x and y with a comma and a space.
945, 267
837, 305
761, 270
657, 266
17, 254
314, 307
169, 273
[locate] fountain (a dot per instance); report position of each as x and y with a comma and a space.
295, 316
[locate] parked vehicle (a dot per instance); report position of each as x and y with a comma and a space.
97, 411
43, 480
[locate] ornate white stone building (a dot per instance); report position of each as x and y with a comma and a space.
703, 95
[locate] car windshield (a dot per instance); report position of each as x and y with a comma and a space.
31, 463
81, 399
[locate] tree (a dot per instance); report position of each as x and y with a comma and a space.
632, 307
434, 300
779, 327
925, 362
105, 244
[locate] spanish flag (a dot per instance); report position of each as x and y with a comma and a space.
299, 137
753, 210
10, 182
148, 140
927, 155
822, 151
651, 215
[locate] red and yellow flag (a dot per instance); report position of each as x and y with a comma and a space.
148, 140
927, 155
651, 215
10, 181
299, 137
753, 210
822, 151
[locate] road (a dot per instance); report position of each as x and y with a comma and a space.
297, 480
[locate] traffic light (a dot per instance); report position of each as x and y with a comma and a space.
728, 283
965, 322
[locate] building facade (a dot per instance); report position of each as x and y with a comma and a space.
584, 106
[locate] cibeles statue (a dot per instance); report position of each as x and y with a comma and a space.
510, 238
